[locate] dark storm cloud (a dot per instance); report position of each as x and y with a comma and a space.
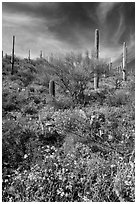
63, 19
71, 25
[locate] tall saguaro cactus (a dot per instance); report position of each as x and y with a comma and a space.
12, 56
96, 76
124, 61
52, 88
97, 43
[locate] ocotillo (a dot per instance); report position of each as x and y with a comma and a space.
124, 61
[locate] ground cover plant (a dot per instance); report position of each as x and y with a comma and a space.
76, 146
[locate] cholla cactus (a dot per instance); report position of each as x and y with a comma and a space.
124, 61
52, 88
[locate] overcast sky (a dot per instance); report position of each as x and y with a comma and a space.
68, 26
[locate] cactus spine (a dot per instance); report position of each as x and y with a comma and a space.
12, 56
124, 61
96, 77
52, 88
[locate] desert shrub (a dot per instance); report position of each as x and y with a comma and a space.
6, 68
65, 103
96, 97
14, 77
68, 120
117, 99
31, 108
36, 99
73, 75
131, 87
9, 101
42, 78
13, 142
26, 76
96, 130
15, 98
59, 102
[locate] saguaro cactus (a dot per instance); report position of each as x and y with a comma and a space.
96, 76
97, 43
29, 56
52, 88
12, 56
124, 61
41, 54
110, 66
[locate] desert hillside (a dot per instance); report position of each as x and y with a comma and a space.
63, 140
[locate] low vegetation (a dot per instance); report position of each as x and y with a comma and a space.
76, 146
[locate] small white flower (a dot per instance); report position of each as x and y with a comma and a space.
110, 137
25, 156
62, 194
112, 165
